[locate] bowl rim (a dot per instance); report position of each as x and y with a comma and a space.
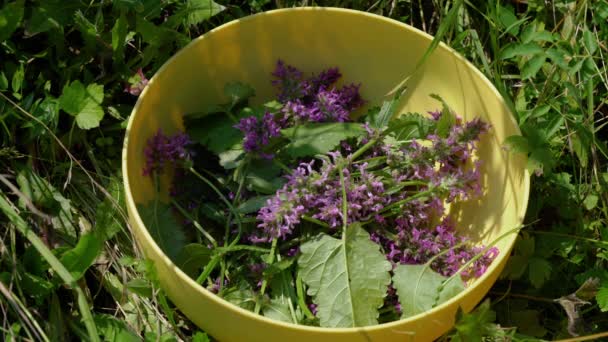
134, 213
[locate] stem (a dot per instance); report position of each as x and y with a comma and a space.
258, 304
236, 248
62, 272
195, 222
301, 299
514, 295
344, 203
568, 236
225, 200
208, 269
282, 166
593, 337
314, 220
363, 149
482, 253
406, 200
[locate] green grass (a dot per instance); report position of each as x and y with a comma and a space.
68, 265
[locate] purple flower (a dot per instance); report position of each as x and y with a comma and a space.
325, 79
288, 80
417, 246
350, 97
280, 215
161, 149
314, 99
258, 132
328, 107
313, 308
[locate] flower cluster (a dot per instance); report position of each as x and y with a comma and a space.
258, 132
392, 183
314, 99
449, 251
421, 179
310, 99
162, 149
318, 194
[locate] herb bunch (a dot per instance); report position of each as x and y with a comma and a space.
310, 215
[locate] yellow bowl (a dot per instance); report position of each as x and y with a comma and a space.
376, 51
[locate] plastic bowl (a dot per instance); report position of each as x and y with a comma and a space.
373, 50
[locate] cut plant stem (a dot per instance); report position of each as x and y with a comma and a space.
363, 149
344, 202
195, 222
258, 304
225, 200
301, 298
315, 221
209, 268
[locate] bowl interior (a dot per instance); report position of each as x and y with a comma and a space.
376, 52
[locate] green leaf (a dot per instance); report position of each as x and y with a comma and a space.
277, 267
516, 267
51, 14
508, 19
10, 18
35, 286
140, 286
527, 322
3, 81
56, 323
45, 196
582, 141
107, 216
517, 144
590, 41
230, 159
83, 103
282, 294
17, 80
410, 126
238, 92
78, 259
278, 309
192, 258
119, 36
530, 34
601, 9
318, 138
201, 10
539, 271
347, 278
590, 201
240, 295
558, 56
164, 228
475, 325
200, 337
602, 298
253, 204
379, 119
517, 50
446, 120
532, 66
113, 329
263, 177
215, 131
420, 288
87, 30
